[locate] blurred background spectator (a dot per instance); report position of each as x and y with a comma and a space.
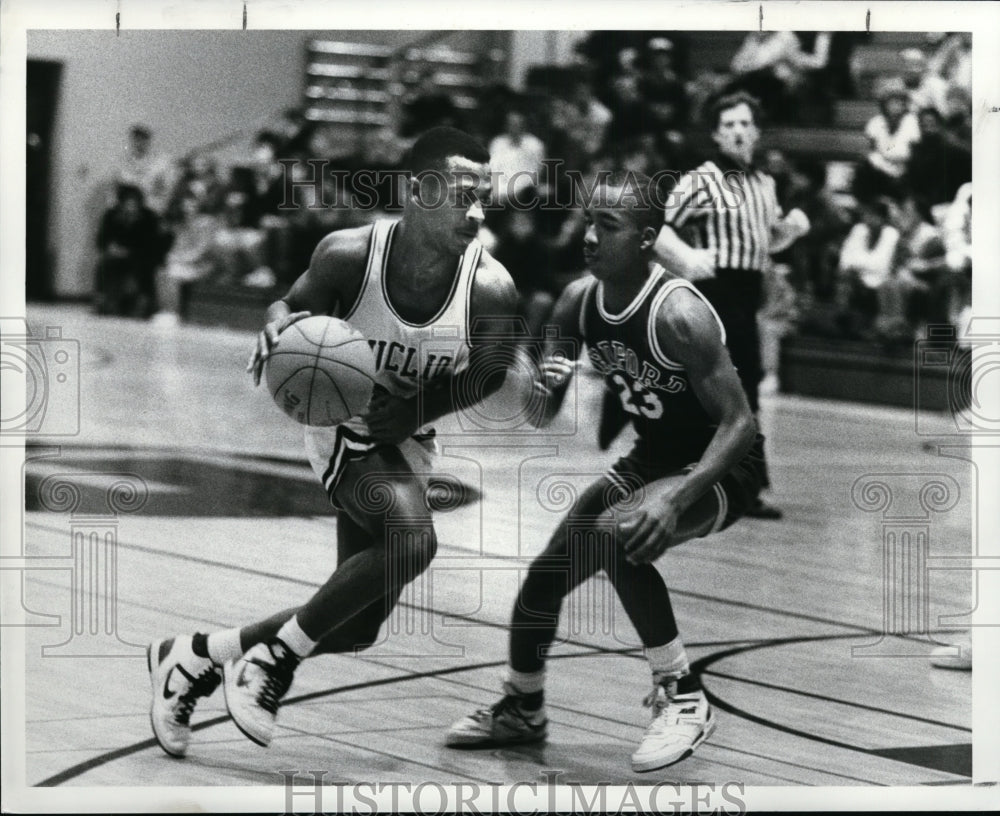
515, 158
428, 105
131, 247
193, 229
891, 134
150, 172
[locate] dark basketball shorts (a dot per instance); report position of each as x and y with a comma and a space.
735, 492
331, 450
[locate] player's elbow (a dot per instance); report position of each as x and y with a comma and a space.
745, 430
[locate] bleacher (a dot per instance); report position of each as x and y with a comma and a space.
354, 84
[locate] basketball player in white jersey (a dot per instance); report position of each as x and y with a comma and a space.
695, 468
399, 284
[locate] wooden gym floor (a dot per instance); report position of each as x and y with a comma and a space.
782, 619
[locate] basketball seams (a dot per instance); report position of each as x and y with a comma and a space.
315, 369
312, 352
340, 394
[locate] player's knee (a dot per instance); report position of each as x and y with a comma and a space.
411, 548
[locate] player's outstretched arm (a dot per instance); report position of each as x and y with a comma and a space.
319, 290
560, 352
688, 333
493, 338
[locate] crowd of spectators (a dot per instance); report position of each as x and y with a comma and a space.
879, 261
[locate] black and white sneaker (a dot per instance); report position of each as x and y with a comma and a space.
506, 722
254, 686
682, 720
179, 678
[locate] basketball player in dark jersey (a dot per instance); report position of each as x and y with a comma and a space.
694, 469
399, 284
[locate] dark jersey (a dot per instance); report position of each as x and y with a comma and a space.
653, 389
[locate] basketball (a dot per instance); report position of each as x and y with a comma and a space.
321, 371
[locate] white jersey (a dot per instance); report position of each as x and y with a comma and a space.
407, 355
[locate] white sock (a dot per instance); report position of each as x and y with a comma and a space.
224, 646
294, 638
668, 661
526, 682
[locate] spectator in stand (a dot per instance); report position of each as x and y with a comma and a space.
814, 93
150, 172
131, 246
957, 236
958, 117
953, 60
926, 89
814, 259
200, 178
919, 260
629, 114
295, 131
767, 66
189, 259
239, 248
428, 106
662, 88
866, 265
515, 158
892, 134
587, 119
939, 163
835, 79
268, 174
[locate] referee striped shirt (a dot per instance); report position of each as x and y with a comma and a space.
729, 210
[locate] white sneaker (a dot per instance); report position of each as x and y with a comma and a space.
682, 720
957, 656
503, 723
179, 679
254, 686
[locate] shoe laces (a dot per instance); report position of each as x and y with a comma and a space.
201, 686
668, 710
277, 680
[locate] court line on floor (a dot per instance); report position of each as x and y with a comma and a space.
825, 698
312, 584
701, 665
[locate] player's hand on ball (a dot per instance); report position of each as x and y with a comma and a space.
266, 340
648, 532
391, 419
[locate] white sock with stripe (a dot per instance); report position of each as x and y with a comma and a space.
224, 646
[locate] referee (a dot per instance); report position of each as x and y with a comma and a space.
728, 210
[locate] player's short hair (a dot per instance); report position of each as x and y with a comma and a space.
141, 132
637, 193
731, 100
432, 149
